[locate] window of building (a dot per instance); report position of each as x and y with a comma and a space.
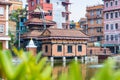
47, 1
116, 25
32, 3
112, 37
1, 11
79, 48
91, 30
111, 25
106, 4
107, 26
91, 13
99, 29
92, 38
99, 38
98, 12
37, 1
46, 48
116, 14
98, 21
116, 37
116, 2
69, 49
107, 16
111, 15
59, 48
107, 37
111, 3
91, 21
1, 28
50, 12
67, 17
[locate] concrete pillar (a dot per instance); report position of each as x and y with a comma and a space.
76, 58
114, 49
64, 59
52, 59
82, 59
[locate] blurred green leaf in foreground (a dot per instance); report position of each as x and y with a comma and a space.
36, 68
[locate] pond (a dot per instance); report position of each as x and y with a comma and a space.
87, 69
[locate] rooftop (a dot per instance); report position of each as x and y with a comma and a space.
101, 6
38, 21
5, 2
66, 33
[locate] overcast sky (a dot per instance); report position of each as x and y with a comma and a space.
78, 7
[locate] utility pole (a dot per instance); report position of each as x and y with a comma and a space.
43, 17
19, 31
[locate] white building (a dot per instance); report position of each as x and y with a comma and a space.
61, 13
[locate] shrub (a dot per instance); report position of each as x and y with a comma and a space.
36, 68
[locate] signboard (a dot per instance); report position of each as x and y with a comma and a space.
97, 44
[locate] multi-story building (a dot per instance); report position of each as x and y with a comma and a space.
112, 24
16, 4
45, 5
95, 22
61, 13
83, 24
4, 38
57, 9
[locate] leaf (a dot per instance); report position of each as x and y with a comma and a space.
106, 72
6, 64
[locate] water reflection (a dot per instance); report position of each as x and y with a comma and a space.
87, 72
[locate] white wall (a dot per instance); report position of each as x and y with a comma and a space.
58, 8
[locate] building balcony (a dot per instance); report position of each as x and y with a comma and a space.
94, 33
95, 16
66, 12
114, 8
95, 25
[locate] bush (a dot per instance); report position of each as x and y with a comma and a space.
36, 68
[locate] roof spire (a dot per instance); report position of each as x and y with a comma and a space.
31, 44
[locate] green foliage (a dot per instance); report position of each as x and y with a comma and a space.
14, 16
30, 68
74, 72
107, 72
36, 68
12, 41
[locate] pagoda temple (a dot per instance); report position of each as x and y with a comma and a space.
36, 24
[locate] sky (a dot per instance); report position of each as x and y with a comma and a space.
78, 8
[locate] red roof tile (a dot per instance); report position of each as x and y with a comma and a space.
31, 34
38, 21
54, 32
